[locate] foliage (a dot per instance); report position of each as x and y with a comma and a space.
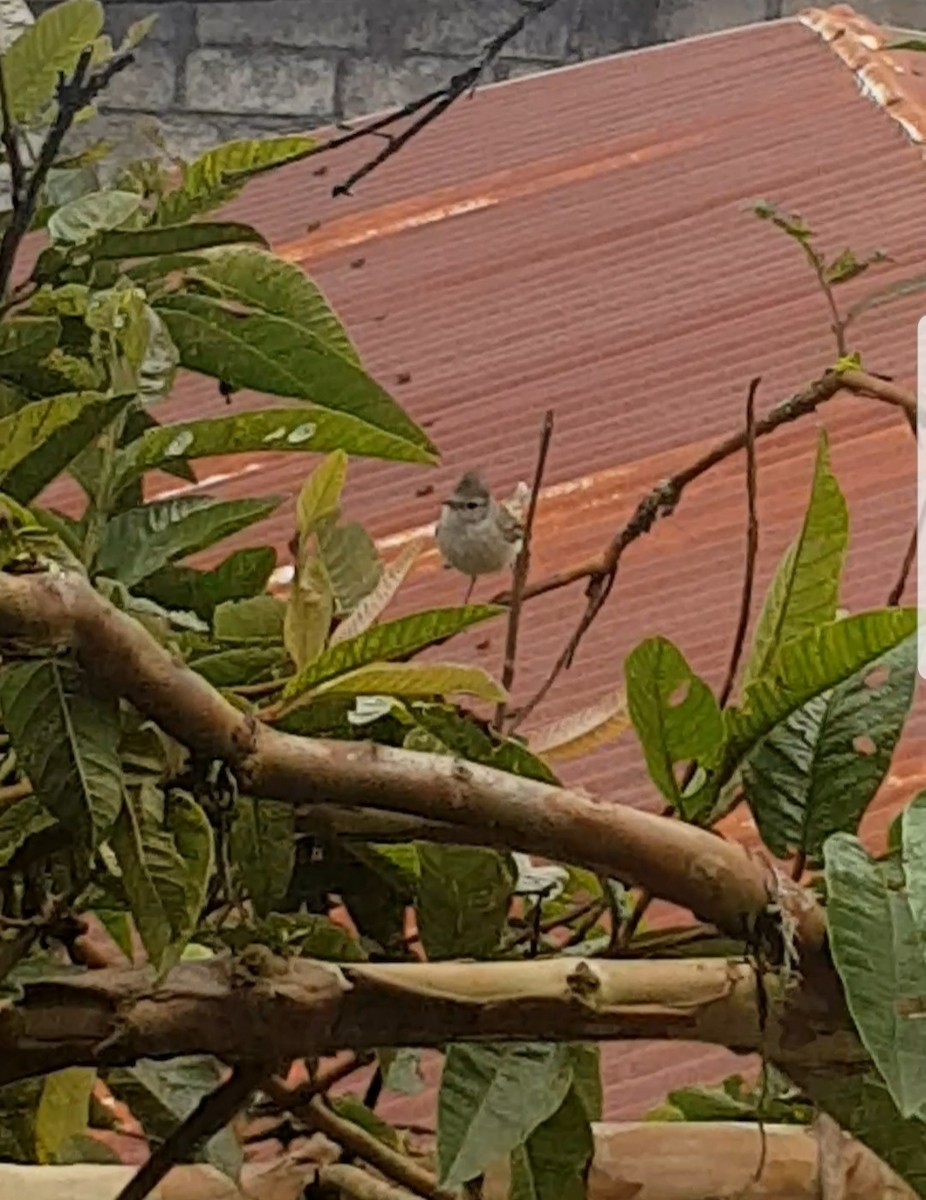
108, 815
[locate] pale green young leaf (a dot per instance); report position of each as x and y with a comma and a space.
414, 679
878, 953
216, 176
819, 769
53, 43
674, 712
260, 280
309, 611
464, 893
63, 1111
351, 562
804, 591
491, 1098
81, 220
808, 665
41, 439
66, 736
263, 849
394, 639
158, 242
374, 603
247, 349
320, 495
141, 541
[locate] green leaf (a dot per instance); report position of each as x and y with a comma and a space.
491, 1099
165, 872
53, 43
806, 666
243, 574
26, 340
155, 242
309, 610
414, 679
804, 591
269, 430
553, 1163
39, 441
216, 176
674, 712
161, 1095
260, 280
351, 562
320, 496
384, 643
913, 844
19, 821
878, 953
66, 737
246, 349
463, 897
817, 771
82, 219
63, 1112
401, 1070
259, 619
234, 668
18, 1105
364, 614
263, 848
143, 540
352, 1108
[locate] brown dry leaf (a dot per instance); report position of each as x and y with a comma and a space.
583, 731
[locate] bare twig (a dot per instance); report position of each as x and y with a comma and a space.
356, 1183
73, 94
432, 105
360, 1144
522, 568
897, 591
211, 1114
752, 547
10, 141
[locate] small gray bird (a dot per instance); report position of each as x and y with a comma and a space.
475, 534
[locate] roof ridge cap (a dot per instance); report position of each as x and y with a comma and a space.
881, 75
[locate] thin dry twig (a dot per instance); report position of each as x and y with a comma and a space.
430, 106
357, 1184
212, 1113
73, 95
522, 568
906, 566
664, 498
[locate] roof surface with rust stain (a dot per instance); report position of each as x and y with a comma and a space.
582, 240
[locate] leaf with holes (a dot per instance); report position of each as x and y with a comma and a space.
807, 666
819, 769
491, 1099
804, 592
259, 279
675, 714
247, 349
52, 44
394, 639
263, 849
143, 540
878, 953
211, 180
464, 894
66, 737
373, 604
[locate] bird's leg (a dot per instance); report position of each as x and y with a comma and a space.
469, 590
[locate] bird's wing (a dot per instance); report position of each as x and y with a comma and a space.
511, 527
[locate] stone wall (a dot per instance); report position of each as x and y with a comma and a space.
215, 69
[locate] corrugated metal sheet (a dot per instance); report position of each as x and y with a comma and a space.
582, 241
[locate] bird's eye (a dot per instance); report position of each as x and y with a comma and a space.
472, 503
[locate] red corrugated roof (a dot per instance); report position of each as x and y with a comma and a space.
581, 240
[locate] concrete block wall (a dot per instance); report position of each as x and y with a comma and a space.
216, 69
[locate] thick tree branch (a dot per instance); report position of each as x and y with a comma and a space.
299, 1008
719, 881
